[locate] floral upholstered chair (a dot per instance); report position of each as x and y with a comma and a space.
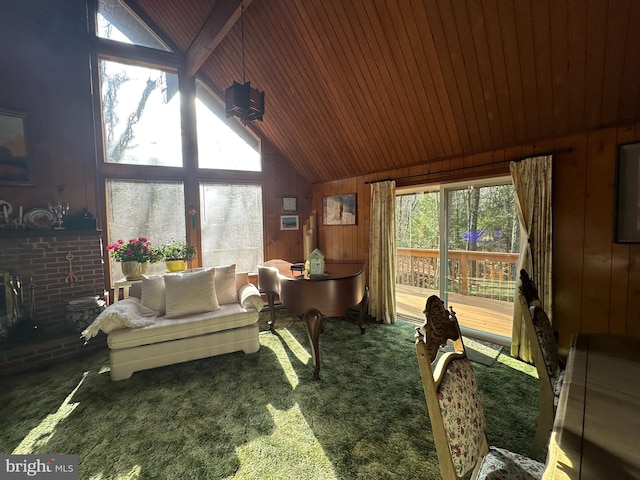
455, 409
550, 372
545, 357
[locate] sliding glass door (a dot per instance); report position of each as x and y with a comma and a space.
475, 272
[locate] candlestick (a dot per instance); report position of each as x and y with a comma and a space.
60, 209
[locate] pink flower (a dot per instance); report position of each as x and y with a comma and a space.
134, 250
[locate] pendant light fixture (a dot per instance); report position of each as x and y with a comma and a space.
242, 101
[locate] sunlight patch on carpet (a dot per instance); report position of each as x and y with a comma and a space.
264, 457
275, 343
300, 351
484, 353
39, 436
519, 365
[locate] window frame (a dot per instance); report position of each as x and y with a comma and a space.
189, 173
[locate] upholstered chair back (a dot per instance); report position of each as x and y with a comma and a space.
544, 350
462, 415
548, 344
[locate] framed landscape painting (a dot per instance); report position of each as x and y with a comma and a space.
289, 222
339, 209
15, 161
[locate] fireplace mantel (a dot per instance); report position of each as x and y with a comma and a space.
10, 233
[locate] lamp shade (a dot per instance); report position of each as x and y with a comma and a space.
244, 102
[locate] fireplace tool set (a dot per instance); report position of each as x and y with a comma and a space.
18, 317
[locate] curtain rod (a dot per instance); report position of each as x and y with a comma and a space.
498, 162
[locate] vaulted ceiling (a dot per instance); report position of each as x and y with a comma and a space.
359, 86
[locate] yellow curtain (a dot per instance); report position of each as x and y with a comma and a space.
382, 244
532, 186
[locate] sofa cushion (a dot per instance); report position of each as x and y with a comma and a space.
230, 316
153, 294
192, 292
225, 281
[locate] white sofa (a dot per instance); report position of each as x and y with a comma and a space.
197, 320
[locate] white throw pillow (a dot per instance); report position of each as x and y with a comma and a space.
153, 293
192, 292
225, 280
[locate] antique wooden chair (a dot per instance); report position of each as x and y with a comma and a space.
454, 406
545, 357
528, 290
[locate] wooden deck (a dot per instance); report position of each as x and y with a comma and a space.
494, 317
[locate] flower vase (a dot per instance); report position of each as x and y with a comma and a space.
134, 270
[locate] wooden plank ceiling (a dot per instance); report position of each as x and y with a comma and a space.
359, 86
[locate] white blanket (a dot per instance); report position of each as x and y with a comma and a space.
127, 313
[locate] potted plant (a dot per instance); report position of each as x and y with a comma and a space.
134, 256
177, 253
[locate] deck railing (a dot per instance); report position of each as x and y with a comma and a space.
480, 274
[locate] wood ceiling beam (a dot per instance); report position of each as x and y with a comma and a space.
223, 16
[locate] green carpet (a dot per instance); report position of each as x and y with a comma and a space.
258, 416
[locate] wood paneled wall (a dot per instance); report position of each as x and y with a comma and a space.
282, 180
46, 75
596, 282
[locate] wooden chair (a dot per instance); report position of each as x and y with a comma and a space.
455, 409
528, 290
545, 357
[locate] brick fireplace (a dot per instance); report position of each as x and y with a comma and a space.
41, 258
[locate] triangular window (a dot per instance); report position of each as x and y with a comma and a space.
115, 21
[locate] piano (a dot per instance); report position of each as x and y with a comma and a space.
313, 298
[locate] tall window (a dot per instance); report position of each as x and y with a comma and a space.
151, 209
231, 217
147, 181
220, 146
140, 115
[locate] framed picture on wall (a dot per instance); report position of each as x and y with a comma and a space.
627, 228
289, 204
16, 164
339, 209
289, 222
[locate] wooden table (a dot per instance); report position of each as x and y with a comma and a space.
596, 434
312, 298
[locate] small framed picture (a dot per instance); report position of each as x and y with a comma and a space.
289, 222
339, 210
289, 204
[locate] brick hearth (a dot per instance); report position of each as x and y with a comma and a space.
41, 256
